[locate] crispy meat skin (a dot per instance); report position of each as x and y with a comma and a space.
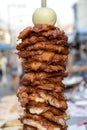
42, 56
42, 97
55, 32
48, 47
34, 40
55, 80
60, 120
40, 28
51, 87
57, 119
38, 66
42, 43
33, 78
24, 89
28, 118
25, 54
46, 30
30, 62
52, 33
25, 32
50, 113
33, 90
23, 44
59, 96
31, 41
45, 108
48, 87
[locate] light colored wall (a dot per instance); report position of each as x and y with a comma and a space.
82, 14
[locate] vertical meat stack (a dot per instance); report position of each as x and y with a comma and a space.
44, 51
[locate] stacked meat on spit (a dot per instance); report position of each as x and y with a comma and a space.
44, 51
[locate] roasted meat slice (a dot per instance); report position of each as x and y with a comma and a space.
53, 118
24, 89
23, 93
36, 108
30, 78
31, 41
59, 96
56, 80
25, 33
50, 99
48, 47
39, 66
41, 123
43, 108
48, 57
23, 99
53, 33
34, 39
40, 28
42, 56
51, 87
42, 97
25, 54
23, 44
32, 90
38, 54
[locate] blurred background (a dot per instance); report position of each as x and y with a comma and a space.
72, 18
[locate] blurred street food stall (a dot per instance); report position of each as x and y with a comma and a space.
78, 53
12, 109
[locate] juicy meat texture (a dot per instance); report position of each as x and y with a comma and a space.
46, 30
26, 94
41, 108
33, 90
48, 87
59, 96
25, 54
48, 47
31, 41
52, 34
25, 32
40, 28
51, 87
42, 97
24, 89
29, 62
45, 109
43, 56
41, 123
57, 119
54, 117
39, 66
52, 99
31, 78
56, 80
